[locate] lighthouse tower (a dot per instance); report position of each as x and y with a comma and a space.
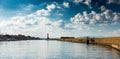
48, 36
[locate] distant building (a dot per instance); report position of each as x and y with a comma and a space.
67, 38
48, 36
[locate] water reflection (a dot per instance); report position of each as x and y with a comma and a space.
42, 49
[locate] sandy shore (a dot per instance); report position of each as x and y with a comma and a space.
111, 41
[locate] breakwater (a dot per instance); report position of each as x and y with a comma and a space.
111, 41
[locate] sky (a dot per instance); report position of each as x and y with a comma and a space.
71, 18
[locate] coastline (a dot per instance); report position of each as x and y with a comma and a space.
110, 41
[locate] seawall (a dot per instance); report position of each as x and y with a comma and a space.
112, 41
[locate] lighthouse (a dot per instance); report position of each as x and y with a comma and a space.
47, 36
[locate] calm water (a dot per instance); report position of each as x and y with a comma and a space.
42, 49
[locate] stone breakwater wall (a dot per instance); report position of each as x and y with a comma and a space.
112, 41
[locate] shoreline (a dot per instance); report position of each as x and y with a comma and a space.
19, 40
113, 42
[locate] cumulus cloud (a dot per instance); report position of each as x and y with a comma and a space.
102, 8
105, 18
79, 27
78, 1
66, 4
59, 23
43, 12
114, 1
51, 7
116, 17
33, 24
38, 25
86, 2
30, 25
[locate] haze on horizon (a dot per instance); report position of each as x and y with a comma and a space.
76, 18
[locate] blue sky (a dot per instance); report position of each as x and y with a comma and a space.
77, 18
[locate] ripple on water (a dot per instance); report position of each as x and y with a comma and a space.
42, 49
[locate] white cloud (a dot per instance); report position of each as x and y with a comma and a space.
100, 31
42, 12
31, 26
34, 24
88, 2
38, 26
59, 23
59, 14
116, 17
66, 4
28, 7
51, 7
113, 33
114, 1
25, 9
78, 1
105, 18
77, 26
102, 8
